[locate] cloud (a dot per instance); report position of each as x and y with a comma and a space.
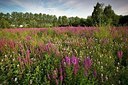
80, 8
55, 7
122, 10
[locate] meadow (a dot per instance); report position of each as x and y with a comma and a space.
64, 56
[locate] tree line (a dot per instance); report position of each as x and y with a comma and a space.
100, 16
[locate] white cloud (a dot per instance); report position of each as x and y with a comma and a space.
67, 7
81, 8
122, 10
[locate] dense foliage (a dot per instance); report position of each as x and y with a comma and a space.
29, 20
64, 56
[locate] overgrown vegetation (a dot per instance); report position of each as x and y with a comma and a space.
64, 56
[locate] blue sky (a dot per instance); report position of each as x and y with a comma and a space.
80, 8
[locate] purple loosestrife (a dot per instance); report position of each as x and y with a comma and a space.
57, 82
28, 38
25, 61
48, 76
68, 60
61, 73
94, 73
74, 60
21, 61
63, 63
120, 54
47, 48
55, 75
28, 57
75, 69
55, 72
87, 65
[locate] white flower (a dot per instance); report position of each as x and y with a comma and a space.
117, 69
13, 59
100, 56
18, 65
15, 79
10, 55
99, 62
110, 57
30, 81
102, 67
101, 75
2, 60
119, 81
106, 78
5, 56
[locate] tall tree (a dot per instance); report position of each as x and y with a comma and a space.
109, 16
97, 14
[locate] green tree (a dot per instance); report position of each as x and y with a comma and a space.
110, 17
64, 20
4, 23
97, 14
89, 21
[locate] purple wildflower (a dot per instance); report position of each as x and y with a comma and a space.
63, 62
19, 59
85, 73
61, 73
74, 60
61, 78
67, 60
76, 68
57, 82
28, 54
120, 54
48, 76
28, 38
55, 74
94, 73
87, 63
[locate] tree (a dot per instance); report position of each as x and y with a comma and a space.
82, 22
110, 17
97, 14
60, 21
65, 21
89, 21
4, 23
123, 21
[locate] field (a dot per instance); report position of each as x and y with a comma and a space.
64, 56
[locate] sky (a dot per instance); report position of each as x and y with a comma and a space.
69, 8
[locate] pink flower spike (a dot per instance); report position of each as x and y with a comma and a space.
68, 60
120, 54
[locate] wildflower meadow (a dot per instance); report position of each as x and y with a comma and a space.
64, 56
